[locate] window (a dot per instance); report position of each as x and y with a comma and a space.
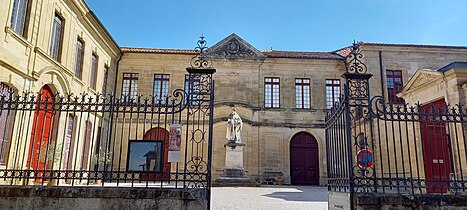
5, 122
19, 15
79, 58
86, 145
194, 94
161, 87
130, 86
56, 43
68, 141
333, 92
302, 93
106, 77
271, 92
394, 84
94, 66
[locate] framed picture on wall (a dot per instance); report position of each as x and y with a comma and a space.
145, 156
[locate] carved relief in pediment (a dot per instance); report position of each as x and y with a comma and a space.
233, 46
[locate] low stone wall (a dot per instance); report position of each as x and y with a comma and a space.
412, 202
87, 198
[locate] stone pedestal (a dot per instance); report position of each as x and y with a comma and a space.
234, 174
234, 157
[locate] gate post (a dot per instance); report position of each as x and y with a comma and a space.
359, 129
200, 105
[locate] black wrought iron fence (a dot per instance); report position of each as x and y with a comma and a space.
377, 147
69, 140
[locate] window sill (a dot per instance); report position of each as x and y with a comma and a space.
78, 80
273, 109
18, 37
304, 110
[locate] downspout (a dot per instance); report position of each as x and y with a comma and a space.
259, 126
113, 100
381, 75
116, 72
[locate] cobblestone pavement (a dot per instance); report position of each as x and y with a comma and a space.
269, 198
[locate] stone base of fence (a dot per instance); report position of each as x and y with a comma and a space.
33, 197
412, 202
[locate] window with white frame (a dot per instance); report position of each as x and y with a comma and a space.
192, 89
302, 93
161, 88
271, 92
129, 86
333, 92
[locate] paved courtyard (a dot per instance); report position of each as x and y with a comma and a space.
269, 198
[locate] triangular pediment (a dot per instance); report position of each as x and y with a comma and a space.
420, 79
234, 46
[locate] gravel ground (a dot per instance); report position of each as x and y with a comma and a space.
269, 198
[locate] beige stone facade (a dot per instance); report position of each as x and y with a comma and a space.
240, 83
26, 65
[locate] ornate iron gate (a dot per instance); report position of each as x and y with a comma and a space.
374, 146
108, 140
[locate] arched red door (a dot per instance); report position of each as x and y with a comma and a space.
160, 134
304, 163
41, 130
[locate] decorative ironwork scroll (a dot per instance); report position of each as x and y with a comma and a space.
354, 61
201, 60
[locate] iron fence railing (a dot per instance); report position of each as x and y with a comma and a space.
53, 139
377, 147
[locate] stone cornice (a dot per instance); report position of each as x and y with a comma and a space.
94, 26
273, 124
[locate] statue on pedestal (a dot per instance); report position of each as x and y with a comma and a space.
234, 128
234, 173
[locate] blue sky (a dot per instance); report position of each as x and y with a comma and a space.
297, 25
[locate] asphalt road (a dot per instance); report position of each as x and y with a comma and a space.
269, 198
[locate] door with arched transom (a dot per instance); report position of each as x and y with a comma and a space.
304, 163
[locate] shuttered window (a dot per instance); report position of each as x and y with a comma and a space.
94, 66
18, 17
56, 42
106, 77
68, 142
86, 145
79, 58
6, 114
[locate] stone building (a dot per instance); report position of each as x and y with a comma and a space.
57, 46
51, 47
282, 96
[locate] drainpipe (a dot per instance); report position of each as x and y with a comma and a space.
381, 74
259, 126
116, 73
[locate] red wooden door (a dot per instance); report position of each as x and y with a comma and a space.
436, 147
304, 163
159, 134
41, 131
